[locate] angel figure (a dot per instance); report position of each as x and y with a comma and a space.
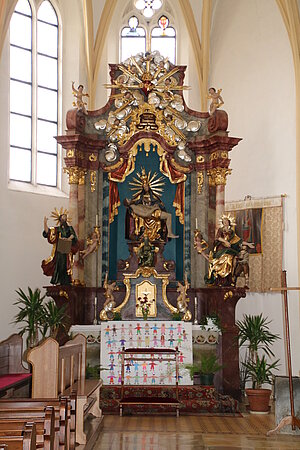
109, 304
93, 243
200, 244
182, 299
79, 94
216, 100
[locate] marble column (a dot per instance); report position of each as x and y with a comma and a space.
220, 202
81, 224
73, 209
199, 211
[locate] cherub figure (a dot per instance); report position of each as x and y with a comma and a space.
242, 266
79, 94
200, 244
182, 299
109, 304
216, 100
92, 242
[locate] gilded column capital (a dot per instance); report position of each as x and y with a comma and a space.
217, 176
76, 175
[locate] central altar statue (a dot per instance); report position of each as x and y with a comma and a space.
147, 208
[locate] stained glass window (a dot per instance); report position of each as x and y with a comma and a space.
163, 39
133, 39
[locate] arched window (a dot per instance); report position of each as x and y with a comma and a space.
34, 94
152, 34
47, 94
163, 39
21, 92
133, 39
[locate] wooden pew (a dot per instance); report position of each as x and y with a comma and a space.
61, 370
33, 410
14, 377
45, 428
25, 442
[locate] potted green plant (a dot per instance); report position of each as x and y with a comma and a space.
254, 334
31, 312
53, 319
260, 372
207, 367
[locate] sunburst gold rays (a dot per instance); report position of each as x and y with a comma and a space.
154, 181
132, 59
130, 74
167, 75
55, 214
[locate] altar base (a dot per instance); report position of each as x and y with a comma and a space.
194, 400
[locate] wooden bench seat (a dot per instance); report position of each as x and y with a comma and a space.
34, 410
61, 370
25, 442
45, 428
14, 377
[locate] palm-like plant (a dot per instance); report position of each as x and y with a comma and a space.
260, 371
53, 318
254, 333
31, 312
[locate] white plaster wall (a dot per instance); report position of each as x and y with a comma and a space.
252, 61
22, 245
185, 57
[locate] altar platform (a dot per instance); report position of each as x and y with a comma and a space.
194, 400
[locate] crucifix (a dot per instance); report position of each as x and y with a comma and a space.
292, 419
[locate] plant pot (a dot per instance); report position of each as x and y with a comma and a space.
259, 400
207, 379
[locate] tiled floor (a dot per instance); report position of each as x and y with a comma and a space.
192, 433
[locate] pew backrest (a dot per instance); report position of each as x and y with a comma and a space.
11, 352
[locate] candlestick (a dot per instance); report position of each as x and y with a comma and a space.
196, 223
196, 312
95, 322
97, 220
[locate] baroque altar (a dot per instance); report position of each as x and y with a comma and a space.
146, 172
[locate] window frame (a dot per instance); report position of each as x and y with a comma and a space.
148, 26
165, 37
33, 185
121, 37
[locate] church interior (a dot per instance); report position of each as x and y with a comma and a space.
150, 224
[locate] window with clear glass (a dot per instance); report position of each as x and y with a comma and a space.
21, 92
133, 39
34, 105
163, 39
47, 94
